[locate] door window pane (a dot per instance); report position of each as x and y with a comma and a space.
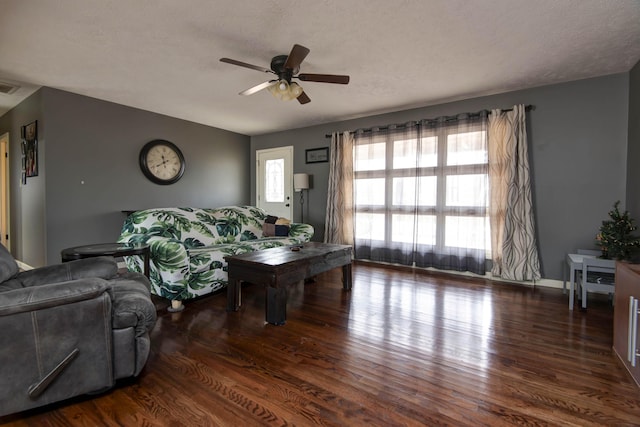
274, 180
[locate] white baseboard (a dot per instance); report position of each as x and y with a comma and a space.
547, 283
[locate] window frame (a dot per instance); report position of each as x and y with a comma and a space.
441, 171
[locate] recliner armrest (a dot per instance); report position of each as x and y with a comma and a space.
132, 305
50, 295
100, 267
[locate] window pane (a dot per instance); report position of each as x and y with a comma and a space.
274, 180
467, 190
369, 191
407, 155
467, 232
369, 157
404, 191
403, 229
467, 148
369, 226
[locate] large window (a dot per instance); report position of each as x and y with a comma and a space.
421, 195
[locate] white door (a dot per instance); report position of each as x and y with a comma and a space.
274, 181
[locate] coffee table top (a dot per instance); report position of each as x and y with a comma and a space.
288, 254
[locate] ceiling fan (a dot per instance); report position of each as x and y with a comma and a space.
286, 68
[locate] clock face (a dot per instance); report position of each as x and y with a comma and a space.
162, 162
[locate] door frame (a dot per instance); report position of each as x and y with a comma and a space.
5, 235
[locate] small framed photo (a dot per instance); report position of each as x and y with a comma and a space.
317, 155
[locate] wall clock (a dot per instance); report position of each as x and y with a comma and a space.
162, 162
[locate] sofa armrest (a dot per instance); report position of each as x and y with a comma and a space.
51, 295
300, 231
169, 264
101, 267
168, 254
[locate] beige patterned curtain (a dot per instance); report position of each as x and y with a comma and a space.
513, 243
339, 217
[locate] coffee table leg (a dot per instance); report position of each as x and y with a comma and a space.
276, 305
233, 294
347, 279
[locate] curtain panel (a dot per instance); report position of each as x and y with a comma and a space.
338, 227
421, 193
514, 248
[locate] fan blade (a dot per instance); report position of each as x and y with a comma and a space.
303, 98
324, 78
296, 56
258, 88
244, 64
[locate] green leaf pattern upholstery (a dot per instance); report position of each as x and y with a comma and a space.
188, 245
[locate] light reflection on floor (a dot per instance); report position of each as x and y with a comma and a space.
410, 316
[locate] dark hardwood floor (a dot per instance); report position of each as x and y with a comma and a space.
401, 348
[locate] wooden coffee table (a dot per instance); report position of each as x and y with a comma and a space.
278, 268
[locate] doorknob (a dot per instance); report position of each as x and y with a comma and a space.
287, 205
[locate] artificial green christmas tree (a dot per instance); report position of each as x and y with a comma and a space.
615, 238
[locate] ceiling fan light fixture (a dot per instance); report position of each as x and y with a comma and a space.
295, 89
285, 91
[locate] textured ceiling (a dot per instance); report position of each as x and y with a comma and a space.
163, 55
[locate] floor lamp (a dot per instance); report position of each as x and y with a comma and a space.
301, 183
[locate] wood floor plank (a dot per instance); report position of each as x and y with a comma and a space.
403, 348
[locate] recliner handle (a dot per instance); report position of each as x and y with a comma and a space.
38, 388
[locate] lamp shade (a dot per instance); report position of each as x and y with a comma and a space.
300, 181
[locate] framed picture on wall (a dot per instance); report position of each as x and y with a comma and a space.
30, 148
317, 155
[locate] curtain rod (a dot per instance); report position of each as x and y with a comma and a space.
526, 108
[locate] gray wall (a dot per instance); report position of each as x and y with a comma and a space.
578, 148
89, 156
633, 156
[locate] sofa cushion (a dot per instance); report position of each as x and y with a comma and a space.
270, 230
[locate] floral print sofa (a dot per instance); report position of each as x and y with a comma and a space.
188, 246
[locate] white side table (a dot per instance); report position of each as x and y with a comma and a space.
574, 262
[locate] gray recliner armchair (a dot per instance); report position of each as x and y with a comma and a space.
69, 329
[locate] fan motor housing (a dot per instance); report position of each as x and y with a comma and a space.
277, 66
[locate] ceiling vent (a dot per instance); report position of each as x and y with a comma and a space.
7, 88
